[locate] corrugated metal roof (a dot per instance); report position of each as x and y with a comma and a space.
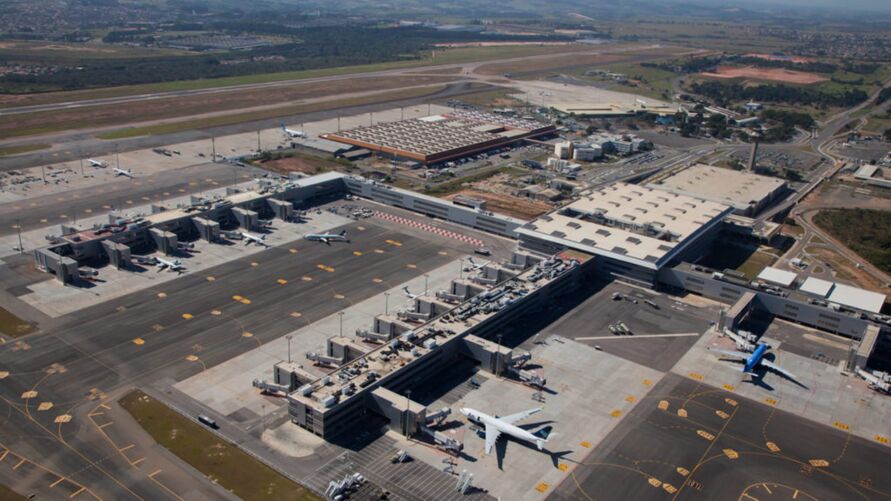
777, 276
857, 298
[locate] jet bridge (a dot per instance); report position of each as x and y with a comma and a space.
282, 209
246, 218
405, 415
208, 229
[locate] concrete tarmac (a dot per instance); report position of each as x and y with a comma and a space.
688, 440
197, 322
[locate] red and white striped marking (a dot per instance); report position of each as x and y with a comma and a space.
428, 227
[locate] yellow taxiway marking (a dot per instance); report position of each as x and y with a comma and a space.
882, 440
770, 401
630, 399
88, 211
729, 387
306, 278
162, 295
682, 413
646, 382
43, 220
841, 426
773, 447
586, 444
216, 313
616, 413
360, 228
541, 487
767, 488
721, 414
237, 297
246, 334
819, 463
443, 253
292, 251
663, 405
281, 281
339, 296
106, 206
210, 278
696, 376
63, 216
296, 314
75, 493
105, 424
45, 406
562, 467
378, 251
731, 454
357, 253
20, 463
411, 266
62, 418
29, 394
138, 461
4, 374
245, 301
682, 471
254, 264
706, 435
376, 280
122, 449
730, 401
188, 316
655, 482
57, 482
192, 358
394, 243
138, 341
669, 488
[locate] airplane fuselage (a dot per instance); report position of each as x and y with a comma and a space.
755, 360
486, 420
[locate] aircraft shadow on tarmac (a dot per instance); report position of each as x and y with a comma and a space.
757, 376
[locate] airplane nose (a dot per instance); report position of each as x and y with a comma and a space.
463, 410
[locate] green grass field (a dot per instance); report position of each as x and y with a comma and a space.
443, 56
155, 130
866, 232
25, 148
219, 460
654, 82
12, 325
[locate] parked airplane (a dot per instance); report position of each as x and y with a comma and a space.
97, 163
292, 132
877, 381
495, 426
122, 172
254, 239
174, 265
327, 238
753, 361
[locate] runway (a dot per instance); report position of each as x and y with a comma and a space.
688, 440
174, 330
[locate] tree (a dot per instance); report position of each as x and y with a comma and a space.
888, 134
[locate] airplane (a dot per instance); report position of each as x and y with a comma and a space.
876, 382
122, 172
97, 163
175, 265
254, 239
292, 132
408, 293
473, 266
753, 361
327, 238
495, 426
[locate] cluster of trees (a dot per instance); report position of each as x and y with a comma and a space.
884, 95
790, 118
723, 94
316, 47
866, 232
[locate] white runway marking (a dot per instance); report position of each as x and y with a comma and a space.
637, 336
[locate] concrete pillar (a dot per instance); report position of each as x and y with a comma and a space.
164, 240
118, 254
208, 230
246, 218
282, 209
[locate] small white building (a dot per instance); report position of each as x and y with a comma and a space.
563, 150
587, 153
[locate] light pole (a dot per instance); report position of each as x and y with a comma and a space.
288, 337
340, 314
18, 228
426, 276
386, 303
461, 268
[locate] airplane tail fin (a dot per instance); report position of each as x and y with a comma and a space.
543, 434
343, 233
283, 125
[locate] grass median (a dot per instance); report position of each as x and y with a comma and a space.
219, 460
236, 118
22, 148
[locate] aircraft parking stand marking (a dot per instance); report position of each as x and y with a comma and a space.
430, 228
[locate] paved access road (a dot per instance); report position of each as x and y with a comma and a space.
168, 333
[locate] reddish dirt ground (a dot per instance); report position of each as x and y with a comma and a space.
298, 164
517, 207
775, 74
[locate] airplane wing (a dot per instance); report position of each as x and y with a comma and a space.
729, 353
776, 368
513, 418
325, 241
492, 435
